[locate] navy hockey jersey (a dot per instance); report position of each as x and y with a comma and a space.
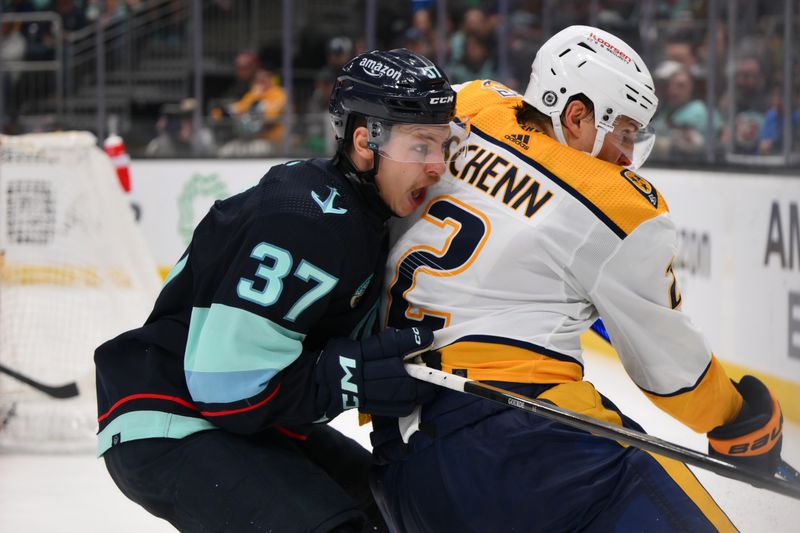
270, 275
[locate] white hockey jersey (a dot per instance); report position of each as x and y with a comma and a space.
524, 243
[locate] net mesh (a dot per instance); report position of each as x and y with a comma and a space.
74, 272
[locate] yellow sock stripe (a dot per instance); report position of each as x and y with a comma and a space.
784, 390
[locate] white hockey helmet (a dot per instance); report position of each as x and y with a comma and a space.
590, 61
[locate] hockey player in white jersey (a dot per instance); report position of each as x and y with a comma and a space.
541, 227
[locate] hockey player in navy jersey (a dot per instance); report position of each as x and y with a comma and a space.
211, 415
540, 229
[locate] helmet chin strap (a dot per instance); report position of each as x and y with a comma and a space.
599, 136
555, 118
364, 180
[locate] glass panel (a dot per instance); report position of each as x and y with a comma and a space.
684, 73
736, 102
793, 88
755, 46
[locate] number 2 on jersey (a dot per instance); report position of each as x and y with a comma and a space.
273, 275
469, 229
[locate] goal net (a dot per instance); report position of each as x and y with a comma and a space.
74, 272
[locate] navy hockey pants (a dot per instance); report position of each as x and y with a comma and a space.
218, 481
482, 467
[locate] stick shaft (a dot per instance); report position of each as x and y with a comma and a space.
604, 429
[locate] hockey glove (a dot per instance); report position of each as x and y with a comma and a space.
370, 375
754, 438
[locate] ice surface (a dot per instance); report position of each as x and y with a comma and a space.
74, 494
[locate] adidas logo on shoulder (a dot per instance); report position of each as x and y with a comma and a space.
520, 139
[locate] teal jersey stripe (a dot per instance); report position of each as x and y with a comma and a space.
176, 270
227, 387
231, 354
149, 425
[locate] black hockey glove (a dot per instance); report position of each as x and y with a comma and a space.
369, 374
754, 438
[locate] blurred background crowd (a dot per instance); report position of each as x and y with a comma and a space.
251, 78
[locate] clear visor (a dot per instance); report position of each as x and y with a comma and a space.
423, 144
633, 141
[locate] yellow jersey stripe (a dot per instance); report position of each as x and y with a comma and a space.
784, 390
581, 397
486, 361
713, 401
621, 198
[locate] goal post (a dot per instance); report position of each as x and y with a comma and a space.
74, 271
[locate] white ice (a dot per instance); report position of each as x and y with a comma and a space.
74, 494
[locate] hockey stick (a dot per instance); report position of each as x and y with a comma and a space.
785, 470
604, 429
61, 391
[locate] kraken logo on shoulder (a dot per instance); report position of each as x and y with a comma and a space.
327, 204
644, 187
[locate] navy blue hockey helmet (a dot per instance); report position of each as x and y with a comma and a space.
397, 86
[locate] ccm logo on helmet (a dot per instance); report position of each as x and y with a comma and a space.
442, 99
379, 69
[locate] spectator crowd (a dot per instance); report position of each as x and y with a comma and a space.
743, 113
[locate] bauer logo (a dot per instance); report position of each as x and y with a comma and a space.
378, 69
